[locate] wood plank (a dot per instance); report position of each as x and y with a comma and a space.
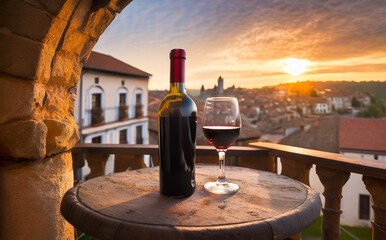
134, 149
341, 162
128, 204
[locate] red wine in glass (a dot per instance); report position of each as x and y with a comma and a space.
221, 126
221, 137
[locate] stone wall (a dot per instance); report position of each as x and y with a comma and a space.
43, 45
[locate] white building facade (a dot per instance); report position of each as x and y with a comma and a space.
111, 104
321, 108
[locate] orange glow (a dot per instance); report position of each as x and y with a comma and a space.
295, 66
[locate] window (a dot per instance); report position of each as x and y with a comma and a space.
123, 136
364, 207
97, 80
96, 100
122, 99
123, 83
138, 99
139, 139
96, 139
376, 157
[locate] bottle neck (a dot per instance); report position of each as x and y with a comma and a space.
177, 70
177, 87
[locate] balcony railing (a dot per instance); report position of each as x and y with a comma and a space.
123, 112
138, 110
333, 171
99, 116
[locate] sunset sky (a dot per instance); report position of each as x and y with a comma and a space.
252, 43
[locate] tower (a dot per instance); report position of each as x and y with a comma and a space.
220, 84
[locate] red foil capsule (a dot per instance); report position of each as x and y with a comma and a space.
177, 65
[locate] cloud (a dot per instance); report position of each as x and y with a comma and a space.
316, 30
377, 67
232, 35
240, 74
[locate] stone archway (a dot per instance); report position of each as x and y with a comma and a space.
43, 45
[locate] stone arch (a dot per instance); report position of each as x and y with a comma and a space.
43, 45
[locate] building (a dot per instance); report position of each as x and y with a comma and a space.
220, 85
319, 105
366, 138
111, 104
354, 137
215, 91
339, 100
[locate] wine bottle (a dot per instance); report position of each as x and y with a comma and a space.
177, 122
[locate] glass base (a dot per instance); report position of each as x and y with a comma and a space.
221, 188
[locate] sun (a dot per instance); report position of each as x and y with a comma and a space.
296, 66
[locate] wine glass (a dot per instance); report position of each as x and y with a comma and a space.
221, 126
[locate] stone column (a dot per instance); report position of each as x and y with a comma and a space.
43, 45
31, 192
377, 189
333, 182
299, 171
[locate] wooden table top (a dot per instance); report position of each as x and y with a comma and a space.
128, 205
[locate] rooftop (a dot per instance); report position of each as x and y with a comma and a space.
323, 136
362, 134
107, 63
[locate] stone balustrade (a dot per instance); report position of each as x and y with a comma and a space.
333, 171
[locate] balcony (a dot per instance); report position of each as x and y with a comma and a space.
123, 112
332, 169
138, 111
97, 116
100, 116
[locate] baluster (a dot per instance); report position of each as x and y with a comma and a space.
333, 181
154, 159
296, 170
299, 171
265, 163
124, 161
77, 163
96, 163
377, 189
77, 160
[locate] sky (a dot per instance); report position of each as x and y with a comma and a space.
252, 43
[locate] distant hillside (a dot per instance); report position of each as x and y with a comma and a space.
376, 88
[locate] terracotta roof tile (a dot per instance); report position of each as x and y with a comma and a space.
362, 134
323, 135
106, 63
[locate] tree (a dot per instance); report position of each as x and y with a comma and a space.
313, 93
355, 102
377, 110
373, 99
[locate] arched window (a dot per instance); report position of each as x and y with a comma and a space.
95, 98
122, 97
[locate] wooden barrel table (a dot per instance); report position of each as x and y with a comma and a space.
128, 205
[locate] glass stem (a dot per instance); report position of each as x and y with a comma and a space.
221, 175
